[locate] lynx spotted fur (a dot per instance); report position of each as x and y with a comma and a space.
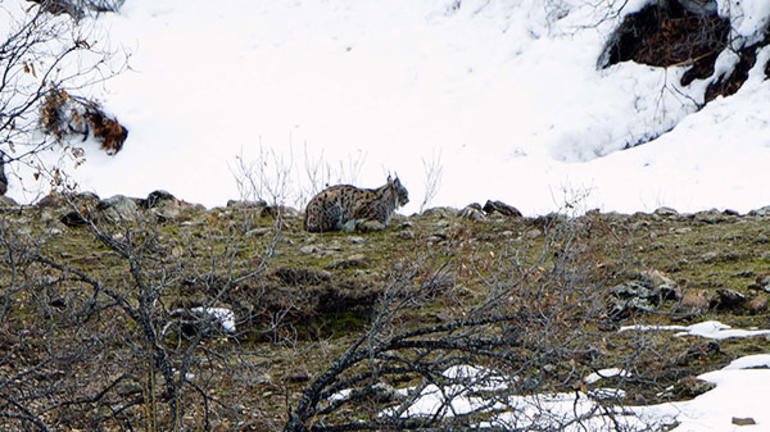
336, 205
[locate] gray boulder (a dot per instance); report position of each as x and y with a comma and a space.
7, 201
472, 212
119, 208
502, 208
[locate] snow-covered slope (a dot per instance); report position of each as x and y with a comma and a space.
505, 94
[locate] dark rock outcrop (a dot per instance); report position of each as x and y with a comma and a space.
502, 208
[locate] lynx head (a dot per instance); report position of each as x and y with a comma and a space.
402, 195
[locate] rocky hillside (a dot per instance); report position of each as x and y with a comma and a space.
109, 306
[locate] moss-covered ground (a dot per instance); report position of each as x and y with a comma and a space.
300, 298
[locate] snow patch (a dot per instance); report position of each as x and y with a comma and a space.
509, 92
225, 317
606, 373
706, 329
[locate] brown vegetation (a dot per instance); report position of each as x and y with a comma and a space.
63, 115
102, 329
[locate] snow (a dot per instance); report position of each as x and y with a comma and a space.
706, 329
749, 20
605, 373
225, 317
741, 391
504, 95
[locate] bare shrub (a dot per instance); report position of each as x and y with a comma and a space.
320, 174
265, 178
434, 172
279, 179
530, 331
149, 347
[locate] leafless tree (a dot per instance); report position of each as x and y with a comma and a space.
434, 172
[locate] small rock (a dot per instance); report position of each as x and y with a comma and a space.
256, 232
690, 386
162, 205
695, 300
118, 208
502, 208
7, 201
406, 235
706, 349
157, 197
308, 249
298, 377
710, 217
763, 281
246, 205
371, 225
657, 278
277, 212
758, 304
52, 200
683, 230
73, 219
743, 421
764, 211
441, 212
709, 257
357, 240
87, 198
436, 238
472, 212
744, 274
727, 299
730, 256
363, 226
533, 234
356, 260
665, 212
761, 239
549, 221
633, 296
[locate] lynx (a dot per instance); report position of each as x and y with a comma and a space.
336, 205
